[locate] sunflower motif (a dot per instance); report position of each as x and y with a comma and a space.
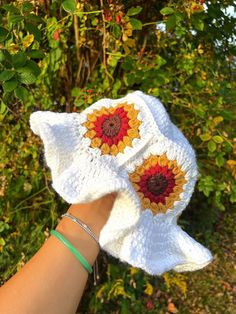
158, 182
112, 129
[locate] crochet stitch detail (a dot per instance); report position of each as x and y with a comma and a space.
158, 182
111, 126
112, 129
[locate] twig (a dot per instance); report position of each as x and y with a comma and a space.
31, 196
76, 30
104, 43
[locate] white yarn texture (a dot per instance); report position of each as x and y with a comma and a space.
152, 166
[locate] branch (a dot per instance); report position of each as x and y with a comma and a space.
104, 43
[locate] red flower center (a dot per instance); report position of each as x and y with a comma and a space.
157, 183
111, 128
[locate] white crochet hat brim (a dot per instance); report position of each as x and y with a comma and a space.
158, 245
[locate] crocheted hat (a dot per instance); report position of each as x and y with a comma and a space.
128, 145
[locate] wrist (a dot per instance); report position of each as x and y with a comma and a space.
86, 245
94, 215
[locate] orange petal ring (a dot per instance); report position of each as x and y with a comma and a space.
162, 208
180, 182
114, 150
140, 170
141, 195
96, 142
172, 164
90, 134
179, 174
136, 186
104, 110
89, 125
154, 207
146, 202
132, 114
128, 107
134, 123
121, 146
176, 170
169, 203
162, 160
91, 117
178, 189
127, 141
105, 148
121, 105
134, 177
97, 112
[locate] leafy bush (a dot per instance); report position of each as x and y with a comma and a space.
65, 55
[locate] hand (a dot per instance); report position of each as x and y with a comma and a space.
95, 213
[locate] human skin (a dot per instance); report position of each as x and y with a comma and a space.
53, 280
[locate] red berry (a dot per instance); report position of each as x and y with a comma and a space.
118, 19
56, 34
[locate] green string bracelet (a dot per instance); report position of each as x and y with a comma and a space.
73, 250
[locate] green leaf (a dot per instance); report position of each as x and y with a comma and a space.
115, 88
113, 60
3, 34
35, 19
2, 241
218, 139
10, 8
128, 64
220, 160
198, 24
205, 137
10, 85
159, 61
32, 29
19, 59
136, 24
27, 77
79, 102
211, 146
206, 185
134, 11
2, 57
171, 22
27, 6
117, 31
3, 226
3, 108
69, 6
14, 19
233, 194
6, 75
35, 54
33, 66
6, 56
21, 93
28, 74
167, 11
75, 92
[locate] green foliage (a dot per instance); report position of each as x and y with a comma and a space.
64, 56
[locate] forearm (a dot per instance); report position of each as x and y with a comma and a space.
53, 280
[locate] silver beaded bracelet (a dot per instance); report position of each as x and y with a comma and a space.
82, 225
